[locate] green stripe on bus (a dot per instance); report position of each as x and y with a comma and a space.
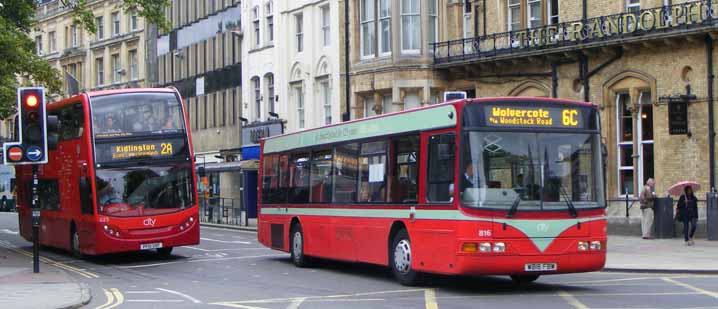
541, 232
426, 119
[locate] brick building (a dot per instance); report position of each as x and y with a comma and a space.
634, 58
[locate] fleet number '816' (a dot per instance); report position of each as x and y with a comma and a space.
569, 117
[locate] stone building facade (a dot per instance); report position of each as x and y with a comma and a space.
635, 59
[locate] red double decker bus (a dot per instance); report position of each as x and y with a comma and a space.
502, 186
122, 177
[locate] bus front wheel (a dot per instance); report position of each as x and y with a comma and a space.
524, 279
400, 260
164, 252
296, 246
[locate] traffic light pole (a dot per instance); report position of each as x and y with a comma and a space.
35, 223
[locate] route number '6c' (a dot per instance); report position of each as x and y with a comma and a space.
569, 117
167, 148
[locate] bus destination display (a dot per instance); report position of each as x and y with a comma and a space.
535, 117
108, 152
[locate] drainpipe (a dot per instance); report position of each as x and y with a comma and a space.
711, 129
347, 88
554, 80
583, 72
483, 12
585, 10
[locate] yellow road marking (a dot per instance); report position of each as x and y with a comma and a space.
690, 287
239, 304
120, 298
572, 300
52, 262
110, 299
430, 299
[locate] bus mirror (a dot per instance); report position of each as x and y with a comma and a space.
200, 171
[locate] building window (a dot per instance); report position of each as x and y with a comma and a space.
116, 69
326, 97
645, 129
100, 22
467, 20
133, 21
299, 102
115, 24
269, 81
514, 15
633, 6
369, 106
410, 26
255, 13
553, 16
75, 36
384, 27
257, 98
100, 70
534, 16
386, 104
270, 22
134, 75
298, 27
52, 38
38, 45
625, 144
367, 29
433, 22
326, 21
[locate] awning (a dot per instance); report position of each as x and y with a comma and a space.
230, 166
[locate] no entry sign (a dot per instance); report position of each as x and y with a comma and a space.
14, 153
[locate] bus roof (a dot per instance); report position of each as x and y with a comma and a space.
99, 93
412, 120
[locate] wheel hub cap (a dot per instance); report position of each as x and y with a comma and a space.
297, 245
402, 256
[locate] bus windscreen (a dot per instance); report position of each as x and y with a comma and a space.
132, 114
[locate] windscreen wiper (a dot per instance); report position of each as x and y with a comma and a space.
514, 207
571, 209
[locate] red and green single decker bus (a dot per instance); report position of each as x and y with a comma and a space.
122, 177
496, 186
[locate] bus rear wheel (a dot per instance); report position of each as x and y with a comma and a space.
296, 246
524, 279
164, 252
400, 260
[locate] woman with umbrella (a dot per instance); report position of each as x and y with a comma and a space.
687, 212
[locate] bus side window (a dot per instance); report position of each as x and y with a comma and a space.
440, 176
372, 172
299, 179
404, 178
346, 173
321, 182
49, 198
270, 180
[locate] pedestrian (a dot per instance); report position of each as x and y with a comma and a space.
687, 212
3, 204
646, 198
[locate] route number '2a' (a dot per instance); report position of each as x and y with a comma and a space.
166, 149
569, 117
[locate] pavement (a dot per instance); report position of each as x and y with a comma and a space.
53, 287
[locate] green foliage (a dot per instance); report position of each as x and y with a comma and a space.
20, 64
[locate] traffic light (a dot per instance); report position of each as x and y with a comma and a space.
32, 144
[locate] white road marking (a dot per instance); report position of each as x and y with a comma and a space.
156, 300
572, 300
192, 299
220, 250
430, 299
142, 292
690, 287
202, 260
6, 231
296, 303
226, 241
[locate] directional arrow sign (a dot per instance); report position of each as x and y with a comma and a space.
34, 153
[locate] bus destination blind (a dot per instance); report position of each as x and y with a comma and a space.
535, 117
108, 152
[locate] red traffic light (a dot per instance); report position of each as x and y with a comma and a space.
31, 101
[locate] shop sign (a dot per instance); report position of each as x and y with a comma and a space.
252, 134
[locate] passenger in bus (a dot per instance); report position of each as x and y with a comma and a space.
169, 124
111, 125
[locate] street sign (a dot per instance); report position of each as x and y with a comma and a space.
14, 153
34, 153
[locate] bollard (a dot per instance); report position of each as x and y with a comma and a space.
712, 215
663, 217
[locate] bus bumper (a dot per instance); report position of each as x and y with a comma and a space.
516, 264
107, 244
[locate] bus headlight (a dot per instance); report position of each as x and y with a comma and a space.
582, 245
596, 245
485, 247
499, 247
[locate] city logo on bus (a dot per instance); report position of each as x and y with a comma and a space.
542, 227
149, 222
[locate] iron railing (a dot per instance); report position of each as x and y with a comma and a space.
611, 28
220, 210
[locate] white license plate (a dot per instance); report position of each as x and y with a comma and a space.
155, 245
540, 267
